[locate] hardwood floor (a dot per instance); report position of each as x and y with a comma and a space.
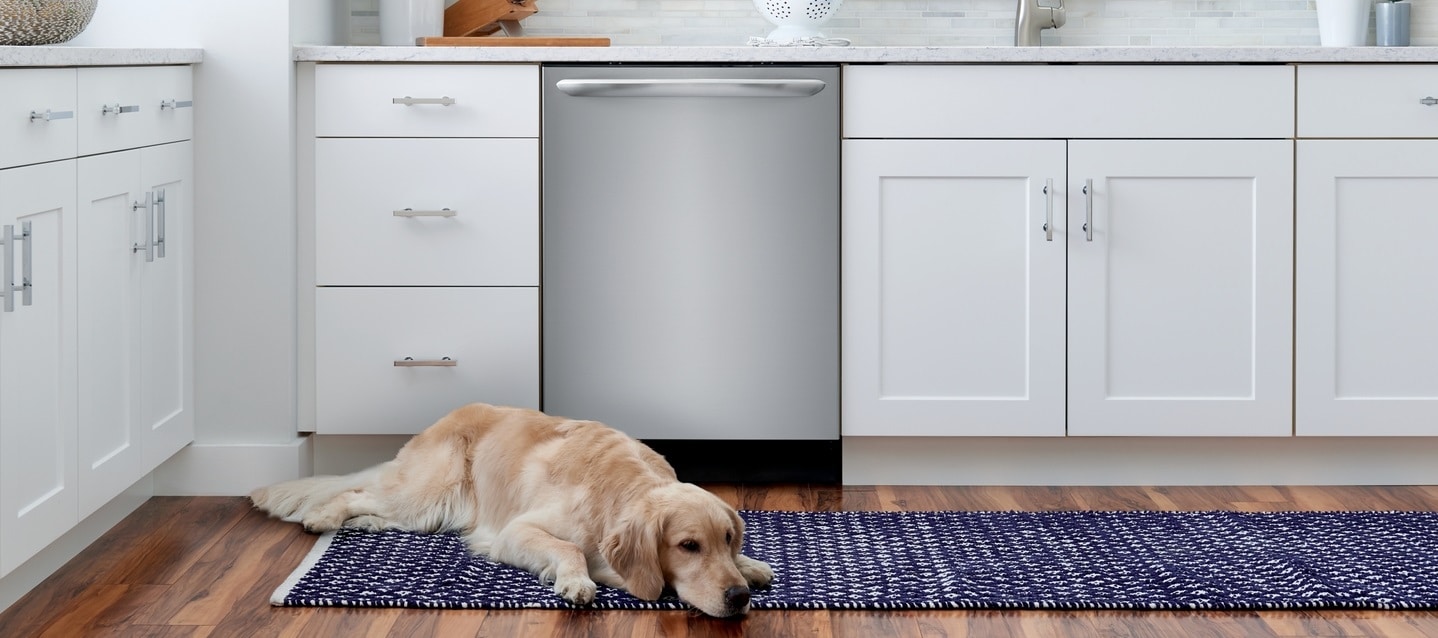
183, 566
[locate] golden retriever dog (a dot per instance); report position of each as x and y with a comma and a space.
574, 502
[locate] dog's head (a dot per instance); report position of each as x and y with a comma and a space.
684, 537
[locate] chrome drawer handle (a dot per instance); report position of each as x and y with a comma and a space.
36, 116
413, 101
410, 212
116, 109
176, 104
1428, 101
410, 362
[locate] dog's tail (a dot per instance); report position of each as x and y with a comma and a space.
291, 500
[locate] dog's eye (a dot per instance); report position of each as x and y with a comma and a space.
728, 538
689, 545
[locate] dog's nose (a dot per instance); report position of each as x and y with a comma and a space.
737, 597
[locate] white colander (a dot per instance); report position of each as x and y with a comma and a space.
797, 19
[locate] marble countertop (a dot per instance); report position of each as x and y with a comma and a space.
748, 54
95, 56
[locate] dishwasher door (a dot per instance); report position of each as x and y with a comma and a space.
691, 250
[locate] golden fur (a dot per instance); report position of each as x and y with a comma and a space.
574, 502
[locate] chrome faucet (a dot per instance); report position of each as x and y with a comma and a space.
1035, 16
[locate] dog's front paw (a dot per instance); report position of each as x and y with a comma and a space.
577, 590
758, 573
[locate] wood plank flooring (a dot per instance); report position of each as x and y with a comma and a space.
205, 566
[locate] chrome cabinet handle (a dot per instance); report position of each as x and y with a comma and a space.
9, 288
415, 101
1088, 209
1428, 101
146, 245
36, 116
1049, 210
410, 212
160, 223
715, 87
116, 109
411, 362
176, 104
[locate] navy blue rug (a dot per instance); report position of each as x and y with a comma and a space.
956, 560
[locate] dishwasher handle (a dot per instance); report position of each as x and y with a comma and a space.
691, 87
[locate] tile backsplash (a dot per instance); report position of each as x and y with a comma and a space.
938, 22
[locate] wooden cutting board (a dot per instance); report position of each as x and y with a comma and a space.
509, 41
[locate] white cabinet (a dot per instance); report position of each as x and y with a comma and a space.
38, 491
1366, 360
426, 242
135, 338
95, 372
1180, 298
1162, 306
953, 299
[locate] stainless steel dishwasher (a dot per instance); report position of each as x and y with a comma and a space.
691, 260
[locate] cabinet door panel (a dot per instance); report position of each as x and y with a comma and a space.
162, 318
492, 335
1366, 362
1180, 314
953, 294
38, 495
111, 457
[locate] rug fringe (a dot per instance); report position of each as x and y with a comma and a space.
283, 591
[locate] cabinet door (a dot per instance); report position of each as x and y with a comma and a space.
111, 456
1180, 299
163, 322
38, 495
1367, 363
953, 292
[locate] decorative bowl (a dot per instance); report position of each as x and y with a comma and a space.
33, 22
797, 19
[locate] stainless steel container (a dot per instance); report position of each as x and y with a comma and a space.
1392, 20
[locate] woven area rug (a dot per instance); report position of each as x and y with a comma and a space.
956, 560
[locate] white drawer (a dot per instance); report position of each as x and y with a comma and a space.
1002, 101
491, 335
1365, 100
358, 100
364, 186
28, 139
155, 103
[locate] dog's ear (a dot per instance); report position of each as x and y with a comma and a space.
737, 542
632, 549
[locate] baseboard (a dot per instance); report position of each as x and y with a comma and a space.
40, 566
233, 469
1140, 461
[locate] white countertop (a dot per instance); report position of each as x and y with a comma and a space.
95, 56
748, 54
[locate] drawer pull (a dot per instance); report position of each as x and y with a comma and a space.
116, 109
410, 362
176, 104
1428, 101
36, 116
410, 212
413, 101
